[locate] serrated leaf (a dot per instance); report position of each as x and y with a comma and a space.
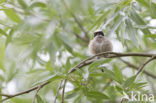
153, 9
98, 21
22, 4
52, 52
2, 55
98, 74
129, 82
96, 94
119, 89
131, 32
50, 79
150, 5
150, 36
9, 38
119, 19
39, 99
98, 63
110, 74
122, 33
12, 15
139, 21
3, 33
67, 43
138, 86
49, 66
37, 4
118, 74
72, 93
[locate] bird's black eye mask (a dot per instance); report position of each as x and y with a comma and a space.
98, 33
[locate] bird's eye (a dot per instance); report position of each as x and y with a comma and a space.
101, 34
95, 34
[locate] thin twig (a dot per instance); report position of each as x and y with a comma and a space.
5, 95
77, 21
27, 91
113, 55
58, 91
81, 38
36, 94
63, 91
135, 67
87, 62
142, 66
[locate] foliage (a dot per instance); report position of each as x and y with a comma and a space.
40, 40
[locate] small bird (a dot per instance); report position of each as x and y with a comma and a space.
99, 44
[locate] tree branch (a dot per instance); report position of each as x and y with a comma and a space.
5, 95
27, 91
135, 67
84, 63
112, 55
81, 38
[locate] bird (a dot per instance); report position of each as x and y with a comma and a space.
100, 44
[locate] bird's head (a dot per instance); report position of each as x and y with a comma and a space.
98, 34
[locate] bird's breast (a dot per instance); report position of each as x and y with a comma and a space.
99, 40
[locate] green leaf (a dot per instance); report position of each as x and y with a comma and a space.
37, 4
67, 43
118, 74
131, 32
138, 86
9, 38
96, 94
3, 33
118, 21
52, 49
49, 66
22, 3
72, 93
50, 79
122, 33
2, 55
21, 100
138, 20
150, 36
110, 74
2, 1
39, 99
144, 3
98, 74
129, 82
97, 63
98, 21
120, 89
55, 77
150, 5
153, 9
12, 15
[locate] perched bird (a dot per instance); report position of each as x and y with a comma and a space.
99, 44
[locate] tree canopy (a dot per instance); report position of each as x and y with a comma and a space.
44, 55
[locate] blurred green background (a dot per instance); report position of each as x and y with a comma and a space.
42, 39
